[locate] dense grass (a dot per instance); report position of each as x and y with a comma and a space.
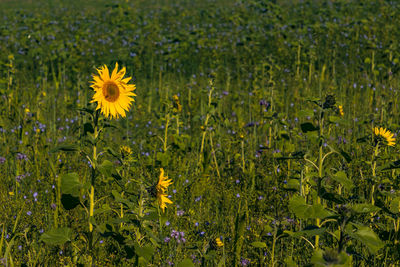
259, 153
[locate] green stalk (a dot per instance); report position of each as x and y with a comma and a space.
376, 151
320, 162
92, 181
166, 133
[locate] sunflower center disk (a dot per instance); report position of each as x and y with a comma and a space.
110, 91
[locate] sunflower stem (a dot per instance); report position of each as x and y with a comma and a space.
93, 163
376, 151
166, 132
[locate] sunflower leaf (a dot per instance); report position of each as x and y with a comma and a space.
298, 206
308, 127
70, 184
365, 208
66, 148
341, 178
365, 235
57, 236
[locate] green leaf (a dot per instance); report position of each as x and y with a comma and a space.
210, 255
310, 231
342, 179
66, 147
390, 166
108, 169
290, 262
334, 119
69, 202
258, 244
87, 110
331, 258
57, 236
395, 205
365, 235
185, 263
365, 208
70, 184
346, 156
306, 113
88, 128
121, 199
146, 252
298, 206
112, 152
308, 127
293, 184
104, 208
163, 157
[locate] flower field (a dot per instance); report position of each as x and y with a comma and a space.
199, 133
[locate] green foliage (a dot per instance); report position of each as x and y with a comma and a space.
365, 235
70, 184
260, 112
57, 236
298, 206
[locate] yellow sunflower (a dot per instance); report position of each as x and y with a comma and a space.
341, 113
219, 242
161, 187
163, 182
113, 94
386, 134
163, 200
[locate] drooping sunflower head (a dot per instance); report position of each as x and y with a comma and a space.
113, 94
163, 181
387, 135
161, 187
163, 200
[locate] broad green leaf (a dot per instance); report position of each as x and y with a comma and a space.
390, 166
104, 208
365, 208
331, 258
70, 184
106, 168
342, 179
87, 110
345, 155
365, 235
293, 184
66, 147
69, 202
298, 206
334, 119
306, 113
210, 255
185, 263
88, 128
57, 236
146, 252
163, 157
309, 231
308, 127
290, 262
395, 205
121, 199
258, 244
